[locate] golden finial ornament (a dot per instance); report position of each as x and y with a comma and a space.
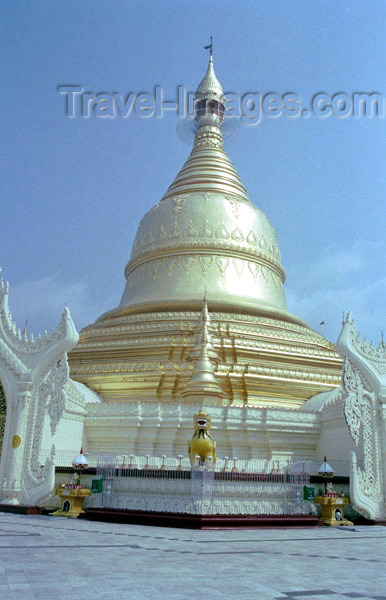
210, 46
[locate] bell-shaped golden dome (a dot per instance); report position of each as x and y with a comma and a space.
204, 238
205, 234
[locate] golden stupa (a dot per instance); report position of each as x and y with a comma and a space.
205, 238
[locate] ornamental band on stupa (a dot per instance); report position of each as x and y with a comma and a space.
137, 375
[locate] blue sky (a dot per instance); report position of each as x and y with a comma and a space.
74, 190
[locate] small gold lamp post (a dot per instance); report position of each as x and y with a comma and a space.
331, 503
327, 472
80, 463
72, 495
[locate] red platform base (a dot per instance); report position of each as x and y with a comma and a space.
21, 509
191, 521
378, 522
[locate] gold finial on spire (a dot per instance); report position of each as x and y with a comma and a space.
210, 47
210, 87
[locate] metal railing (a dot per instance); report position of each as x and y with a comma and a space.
64, 458
167, 484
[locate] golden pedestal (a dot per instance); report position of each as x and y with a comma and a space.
72, 502
333, 510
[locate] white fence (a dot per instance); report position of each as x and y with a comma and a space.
256, 465
232, 486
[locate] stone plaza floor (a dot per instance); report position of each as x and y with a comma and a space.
56, 558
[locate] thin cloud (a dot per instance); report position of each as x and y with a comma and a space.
341, 279
41, 302
338, 281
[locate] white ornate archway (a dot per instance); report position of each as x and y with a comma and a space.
38, 390
364, 407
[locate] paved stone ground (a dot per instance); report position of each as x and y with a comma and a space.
63, 559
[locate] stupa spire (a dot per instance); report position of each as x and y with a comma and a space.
203, 328
208, 168
203, 383
210, 87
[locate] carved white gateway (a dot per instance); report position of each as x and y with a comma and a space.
42, 406
364, 407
